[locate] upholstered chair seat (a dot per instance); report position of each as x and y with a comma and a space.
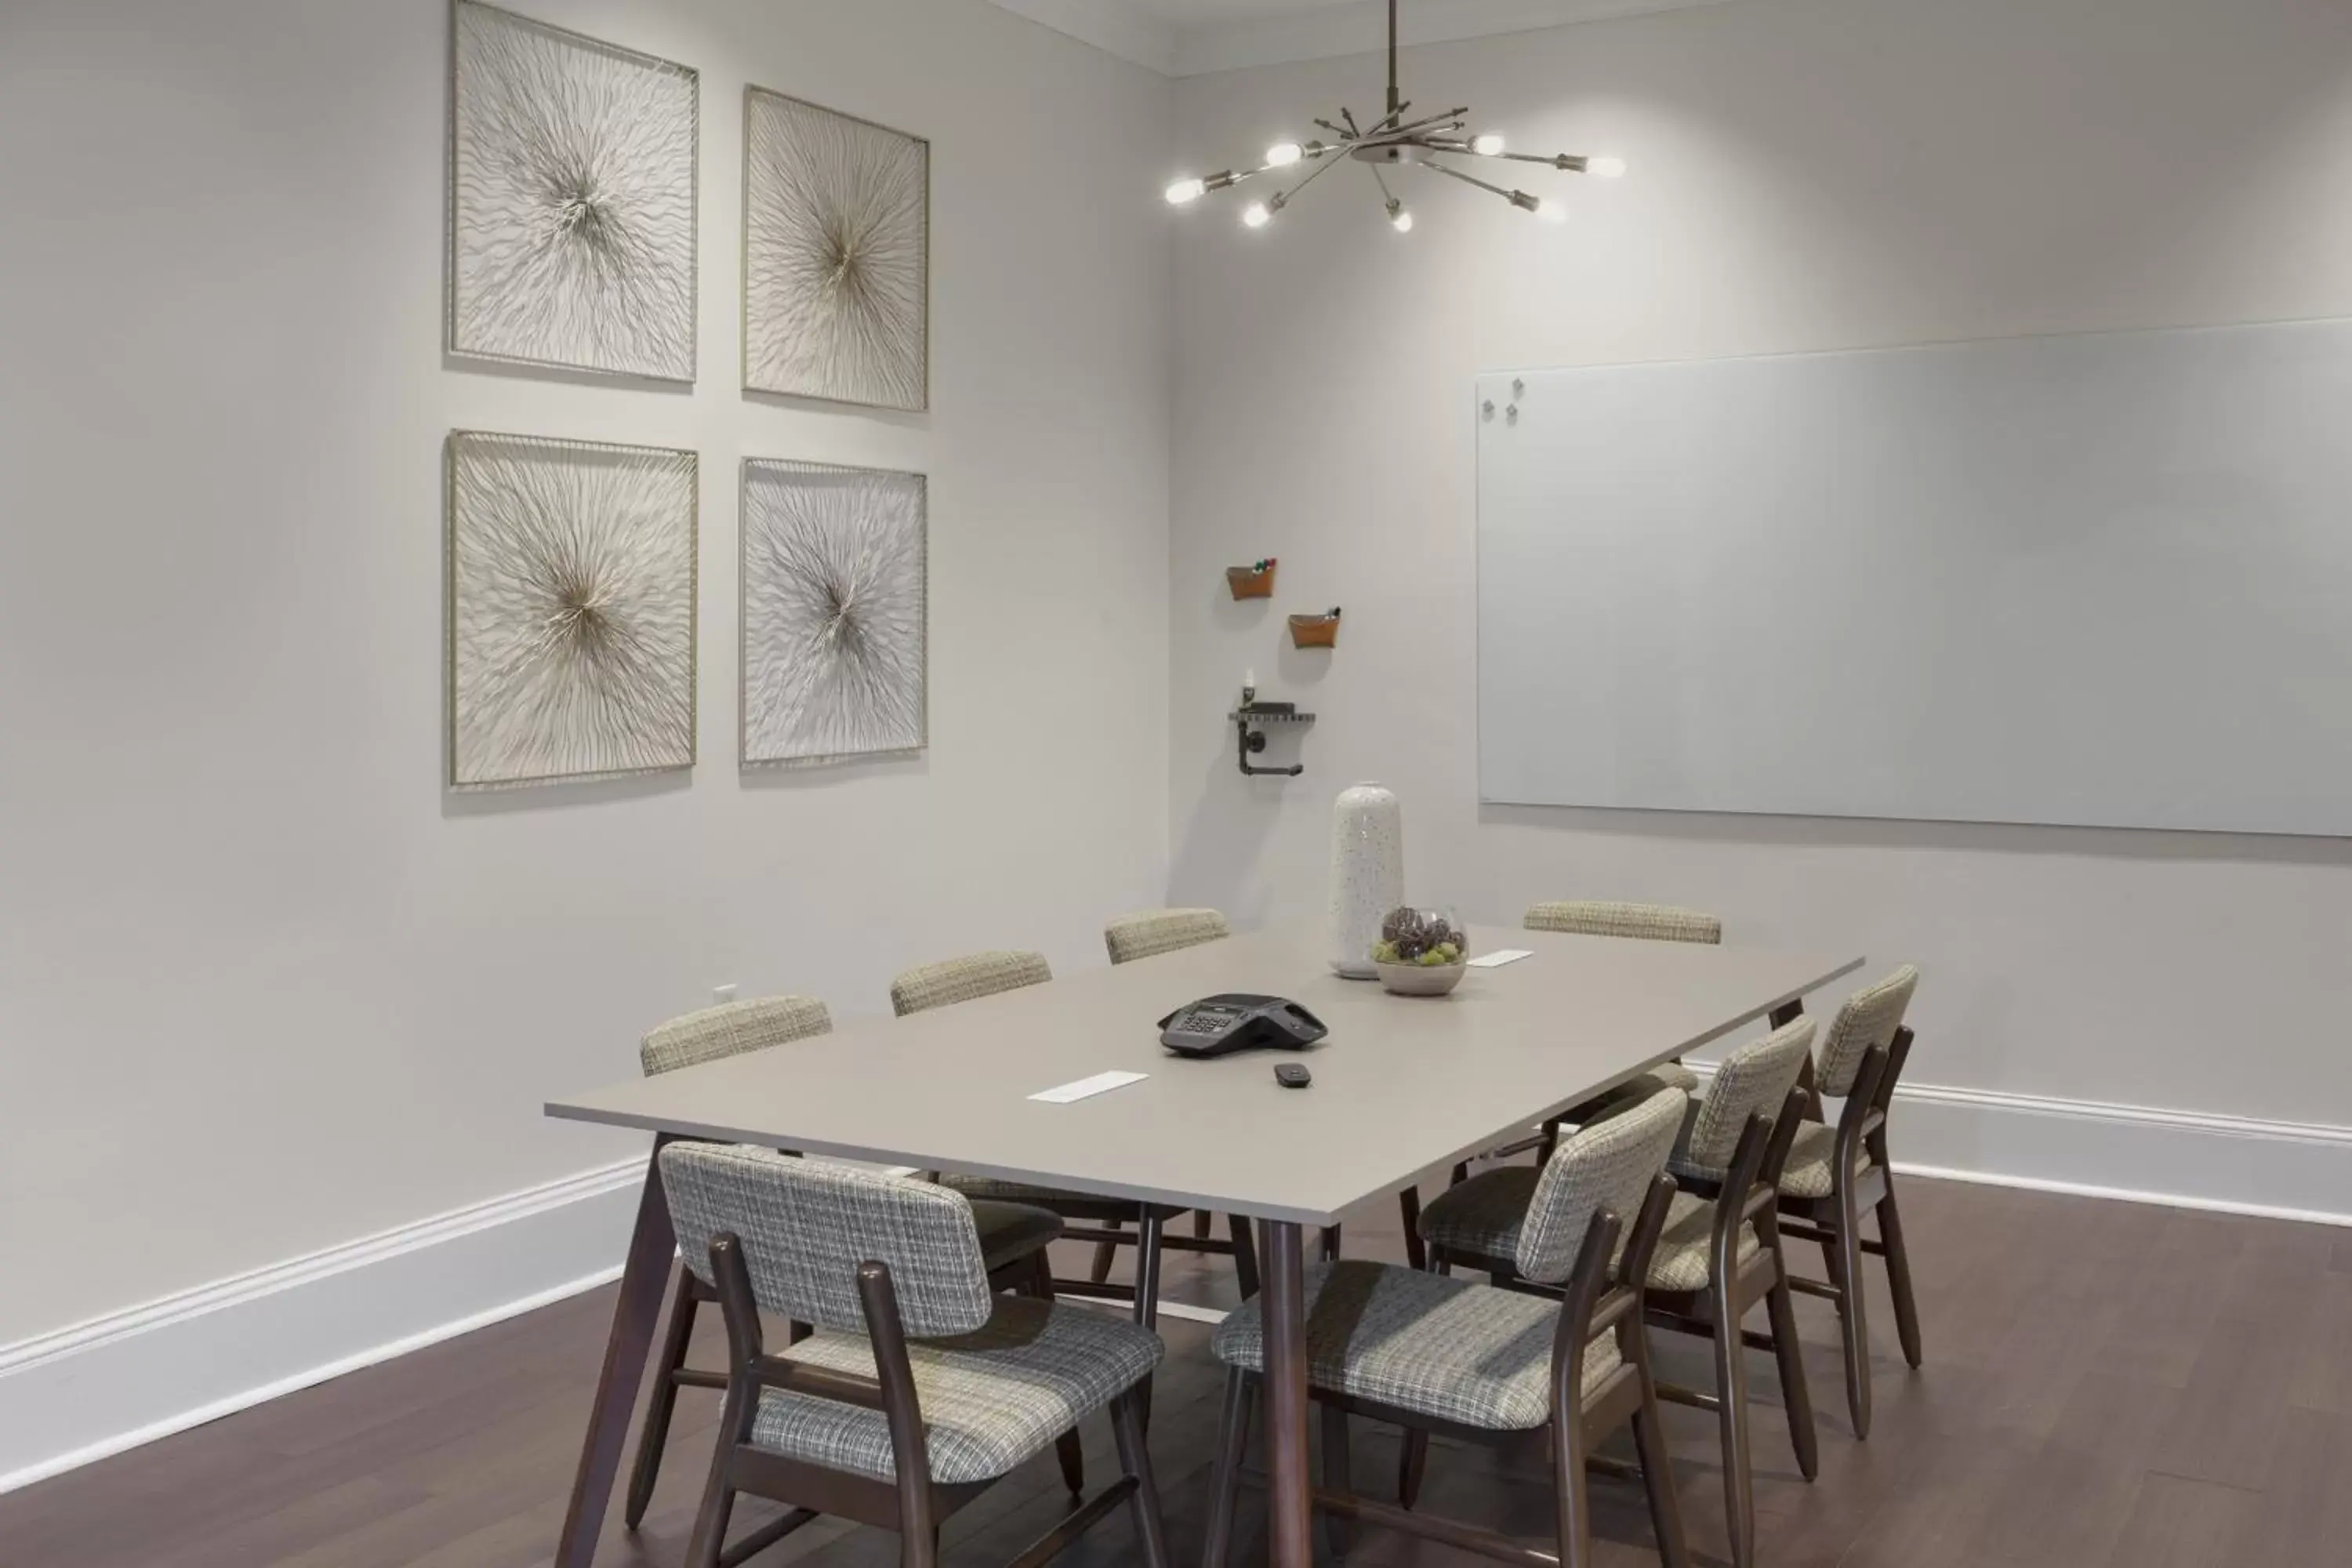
992, 1399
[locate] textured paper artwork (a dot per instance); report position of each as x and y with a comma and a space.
572, 609
836, 256
834, 612
572, 200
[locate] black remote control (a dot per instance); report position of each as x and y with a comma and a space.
1290, 1075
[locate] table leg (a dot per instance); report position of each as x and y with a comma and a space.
627, 1349
1146, 1296
1289, 1514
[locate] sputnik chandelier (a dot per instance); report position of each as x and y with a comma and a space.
1393, 142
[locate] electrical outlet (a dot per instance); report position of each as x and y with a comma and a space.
722, 995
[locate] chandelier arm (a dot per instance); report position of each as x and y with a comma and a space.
1569, 162
1313, 174
1430, 122
1468, 179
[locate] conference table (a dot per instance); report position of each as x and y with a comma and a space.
1402, 1085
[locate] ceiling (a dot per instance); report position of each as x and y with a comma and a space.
1192, 13
1191, 37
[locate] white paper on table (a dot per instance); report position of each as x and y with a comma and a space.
1496, 960
1086, 1087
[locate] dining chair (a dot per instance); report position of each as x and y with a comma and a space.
1479, 1363
1013, 1236
1836, 1176
1717, 1256
1586, 917
1148, 935
1097, 1218
921, 1386
1155, 931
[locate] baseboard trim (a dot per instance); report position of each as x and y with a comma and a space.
2129, 1153
98, 1388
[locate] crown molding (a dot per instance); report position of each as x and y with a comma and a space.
1131, 31
1119, 28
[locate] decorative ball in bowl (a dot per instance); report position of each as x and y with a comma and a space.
1420, 953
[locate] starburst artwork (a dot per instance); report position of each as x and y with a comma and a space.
834, 612
572, 200
572, 609
836, 263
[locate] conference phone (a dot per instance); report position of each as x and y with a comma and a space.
1219, 1026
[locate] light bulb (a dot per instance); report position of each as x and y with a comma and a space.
1607, 168
1401, 220
1282, 154
1490, 145
1186, 190
1551, 211
1255, 215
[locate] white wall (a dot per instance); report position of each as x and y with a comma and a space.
1807, 174
265, 988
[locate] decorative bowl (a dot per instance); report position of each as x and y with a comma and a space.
1421, 978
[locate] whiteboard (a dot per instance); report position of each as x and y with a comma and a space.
2100, 580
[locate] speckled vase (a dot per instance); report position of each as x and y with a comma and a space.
1366, 875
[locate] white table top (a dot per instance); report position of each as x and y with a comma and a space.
1402, 1085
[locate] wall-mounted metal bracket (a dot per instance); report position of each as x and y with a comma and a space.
1250, 741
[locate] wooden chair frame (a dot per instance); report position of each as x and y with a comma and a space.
1733, 1289
1836, 1221
1590, 1304
1100, 1224
1026, 1274
912, 1504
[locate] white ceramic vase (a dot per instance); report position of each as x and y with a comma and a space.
1366, 875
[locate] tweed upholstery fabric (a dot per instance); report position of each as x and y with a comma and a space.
1647, 923
1080, 1206
731, 1030
806, 1225
1481, 1220
1161, 931
1685, 1260
1009, 1232
966, 979
1608, 1164
990, 1399
1448, 1348
1666, 1074
1869, 1017
1813, 1162
1752, 1081
1483, 1217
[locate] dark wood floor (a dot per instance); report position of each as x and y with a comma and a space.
2106, 1383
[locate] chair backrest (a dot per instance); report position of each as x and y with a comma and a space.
806, 1225
966, 979
1161, 931
1648, 923
730, 1030
1753, 1080
1869, 1017
1608, 1164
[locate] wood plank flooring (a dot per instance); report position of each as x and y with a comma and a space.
2106, 1384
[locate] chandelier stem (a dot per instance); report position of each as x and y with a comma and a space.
1394, 104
